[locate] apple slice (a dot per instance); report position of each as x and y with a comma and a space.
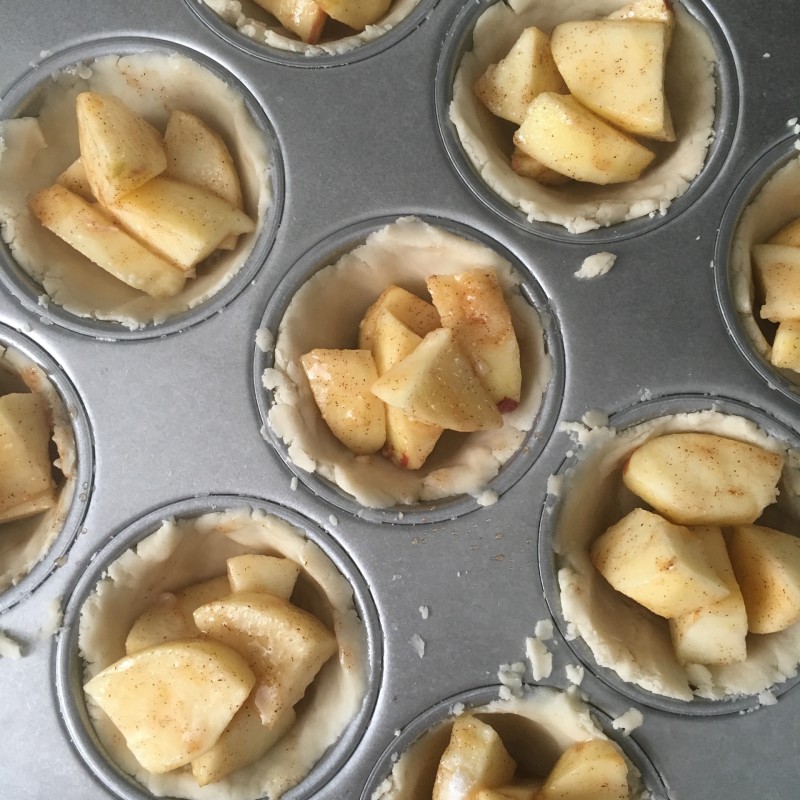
159, 699
253, 572
93, 233
26, 471
475, 758
74, 179
304, 18
788, 235
766, 563
181, 222
704, 479
284, 645
437, 384
785, 352
171, 616
777, 266
420, 317
659, 565
525, 790
529, 167
356, 14
508, 87
472, 305
713, 634
244, 741
340, 381
120, 151
565, 136
648, 11
591, 770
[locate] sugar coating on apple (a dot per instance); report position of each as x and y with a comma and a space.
703, 479
778, 269
415, 313
661, 566
591, 770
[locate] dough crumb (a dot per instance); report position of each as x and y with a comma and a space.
333, 520
457, 709
487, 498
265, 341
293, 483
424, 612
766, 698
418, 643
510, 675
540, 657
575, 673
543, 630
55, 616
790, 123
628, 722
596, 265
9, 648
555, 483
595, 419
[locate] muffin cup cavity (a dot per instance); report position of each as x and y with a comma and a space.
621, 642
355, 265
31, 548
39, 128
702, 88
189, 541
535, 729
249, 27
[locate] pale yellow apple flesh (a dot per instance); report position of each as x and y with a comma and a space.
417, 315
253, 572
785, 352
648, 11
525, 790
661, 566
788, 235
74, 179
777, 267
529, 167
305, 18
704, 479
591, 770
356, 14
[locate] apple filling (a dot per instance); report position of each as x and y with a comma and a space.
154, 189
675, 505
241, 680
552, 109
419, 368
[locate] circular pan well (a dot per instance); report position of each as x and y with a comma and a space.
652, 675
645, 215
416, 751
328, 560
249, 28
40, 543
542, 340
766, 199
94, 303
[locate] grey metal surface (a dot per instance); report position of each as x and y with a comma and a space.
177, 417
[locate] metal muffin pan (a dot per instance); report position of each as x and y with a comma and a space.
177, 416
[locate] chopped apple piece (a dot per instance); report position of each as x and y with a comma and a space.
26, 471
704, 479
785, 352
565, 136
304, 18
767, 567
591, 770
98, 237
474, 759
788, 235
659, 565
244, 741
159, 699
412, 311
524, 790
508, 87
529, 167
648, 11
120, 151
356, 14
713, 634
409, 442
253, 572
437, 384
183, 223
472, 305
284, 645
170, 617
778, 268
340, 381
74, 179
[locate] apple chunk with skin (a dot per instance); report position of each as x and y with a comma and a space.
777, 267
561, 133
591, 770
356, 14
26, 474
472, 305
616, 69
120, 151
508, 87
88, 229
704, 479
475, 758
340, 381
417, 315
767, 567
253, 572
284, 645
305, 18
159, 699
713, 634
659, 565
437, 384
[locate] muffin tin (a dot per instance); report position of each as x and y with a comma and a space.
171, 417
